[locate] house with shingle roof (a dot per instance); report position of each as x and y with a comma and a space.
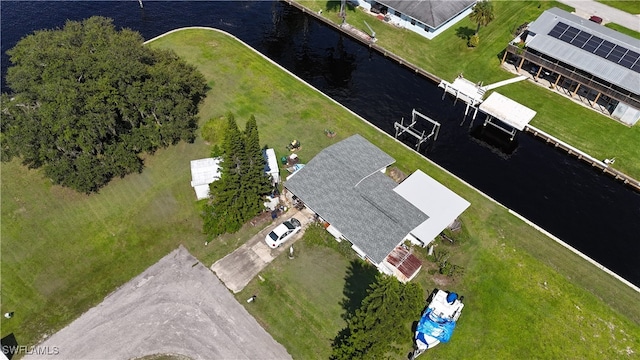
346, 186
425, 17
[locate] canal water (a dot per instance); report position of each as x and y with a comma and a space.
592, 212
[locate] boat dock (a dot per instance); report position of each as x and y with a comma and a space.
365, 39
604, 167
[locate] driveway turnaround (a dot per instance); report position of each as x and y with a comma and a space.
242, 265
176, 306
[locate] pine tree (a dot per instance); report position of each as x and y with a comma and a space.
238, 195
224, 214
382, 320
256, 182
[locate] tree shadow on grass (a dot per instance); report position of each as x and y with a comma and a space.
334, 5
360, 276
464, 33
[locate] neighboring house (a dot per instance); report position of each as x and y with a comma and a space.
425, 17
271, 165
346, 186
588, 59
203, 173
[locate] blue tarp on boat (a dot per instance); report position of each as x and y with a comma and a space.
435, 326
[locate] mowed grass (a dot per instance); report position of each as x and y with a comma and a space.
630, 6
624, 30
448, 55
62, 252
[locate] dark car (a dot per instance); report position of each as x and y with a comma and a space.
596, 19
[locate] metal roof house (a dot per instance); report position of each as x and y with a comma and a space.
425, 17
346, 185
601, 64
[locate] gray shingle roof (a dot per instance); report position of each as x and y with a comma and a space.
431, 12
579, 58
344, 185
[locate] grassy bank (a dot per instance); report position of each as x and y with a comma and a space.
448, 55
62, 252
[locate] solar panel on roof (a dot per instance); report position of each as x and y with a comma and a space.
629, 59
606, 46
558, 30
592, 44
581, 39
569, 34
617, 53
595, 45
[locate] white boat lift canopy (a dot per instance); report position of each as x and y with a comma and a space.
508, 111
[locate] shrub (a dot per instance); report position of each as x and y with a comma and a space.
474, 41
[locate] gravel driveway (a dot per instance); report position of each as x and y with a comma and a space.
176, 306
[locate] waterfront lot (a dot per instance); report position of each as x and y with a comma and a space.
63, 252
448, 55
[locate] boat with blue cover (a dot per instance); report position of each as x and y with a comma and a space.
438, 321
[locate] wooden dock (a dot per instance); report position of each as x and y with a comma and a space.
596, 163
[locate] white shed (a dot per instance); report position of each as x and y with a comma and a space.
203, 173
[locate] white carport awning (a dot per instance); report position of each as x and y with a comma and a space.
508, 111
440, 204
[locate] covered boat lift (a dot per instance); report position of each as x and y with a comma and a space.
515, 115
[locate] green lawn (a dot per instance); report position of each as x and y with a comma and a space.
63, 252
447, 55
623, 30
630, 6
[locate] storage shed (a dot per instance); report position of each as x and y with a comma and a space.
204, 172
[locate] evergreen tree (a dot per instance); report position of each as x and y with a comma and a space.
239, 193
382, 321
88, 99
256, 182
225, 214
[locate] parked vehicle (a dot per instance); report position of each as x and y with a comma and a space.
596, 19
282, 233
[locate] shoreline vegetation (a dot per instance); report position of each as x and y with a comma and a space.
63, 252
448, 55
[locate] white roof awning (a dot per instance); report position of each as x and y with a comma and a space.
440, 204
508, 111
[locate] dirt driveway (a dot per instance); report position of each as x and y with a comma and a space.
238, 268
176, 306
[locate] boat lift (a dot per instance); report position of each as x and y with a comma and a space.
401, 128
507, 112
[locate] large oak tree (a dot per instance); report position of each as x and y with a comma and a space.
88, 99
